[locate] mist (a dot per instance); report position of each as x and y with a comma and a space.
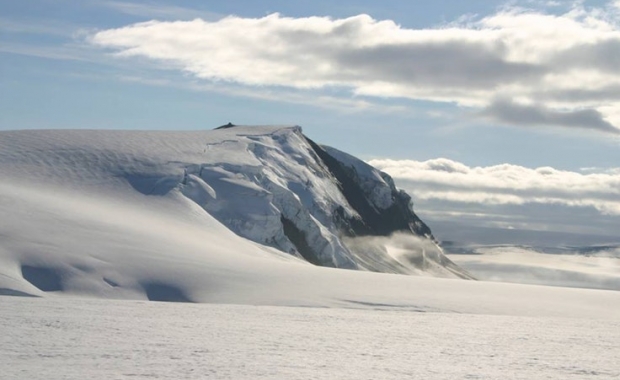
578, 267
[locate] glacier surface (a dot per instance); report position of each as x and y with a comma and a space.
95, 223
131, 214
107, 339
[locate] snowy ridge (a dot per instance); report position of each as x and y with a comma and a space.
376, 185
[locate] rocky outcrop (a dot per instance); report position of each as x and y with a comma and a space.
376, 216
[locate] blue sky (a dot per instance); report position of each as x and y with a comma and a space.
494, 86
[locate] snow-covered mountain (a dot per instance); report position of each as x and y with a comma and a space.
271, 185
150, 216
202, 216
276, 187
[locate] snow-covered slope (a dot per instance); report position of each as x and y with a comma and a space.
158, 215
270, 185
151, 215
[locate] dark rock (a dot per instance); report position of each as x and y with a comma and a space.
225, 126
398, 217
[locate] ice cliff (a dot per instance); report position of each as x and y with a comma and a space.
275, 186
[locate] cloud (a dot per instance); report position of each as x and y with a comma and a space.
507, 112
157, 10
46, 27
449, 181
597, 268
313, 98
565, 64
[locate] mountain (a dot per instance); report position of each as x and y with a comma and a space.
118, 213
283, 190
89, 216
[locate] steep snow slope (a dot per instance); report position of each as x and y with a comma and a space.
118, 214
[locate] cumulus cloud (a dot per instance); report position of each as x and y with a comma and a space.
565, 64
447, 180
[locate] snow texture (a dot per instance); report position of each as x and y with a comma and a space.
77, 339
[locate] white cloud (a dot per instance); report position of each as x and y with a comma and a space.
564, 64
595, 268
447, 180
157, 10
287, 96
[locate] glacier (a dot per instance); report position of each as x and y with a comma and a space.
283, 190
268, 184
200, 216
93, 224
108, 339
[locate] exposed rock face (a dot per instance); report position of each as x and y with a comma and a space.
382, 208
275, 186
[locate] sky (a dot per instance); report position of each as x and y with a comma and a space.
501, 118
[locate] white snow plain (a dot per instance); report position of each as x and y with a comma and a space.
88, 231
71, 338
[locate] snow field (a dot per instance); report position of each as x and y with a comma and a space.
106, 339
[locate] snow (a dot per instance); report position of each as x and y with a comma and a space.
105, 214
247, 178
94, 339
95, 223
90, 244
